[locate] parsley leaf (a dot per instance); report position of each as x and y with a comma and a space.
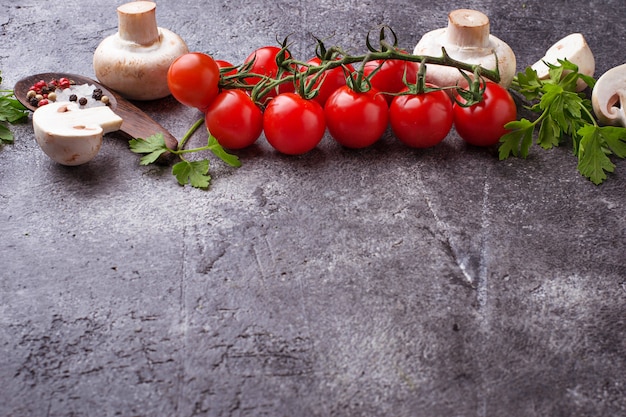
596, 144
218, 150
11, 112
6, 136
195, 173
154, 146
518, 140
563, 113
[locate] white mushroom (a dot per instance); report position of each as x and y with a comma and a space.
575, 49
608, 97
135, 60
71, 135
466, 39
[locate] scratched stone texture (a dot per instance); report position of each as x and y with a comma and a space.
380, 282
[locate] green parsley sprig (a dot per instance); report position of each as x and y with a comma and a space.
11, 112
194, 173
563, 113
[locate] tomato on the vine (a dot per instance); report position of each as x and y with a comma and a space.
292, 124
421, 120
225, 64
389, 78
234, 119
356, 119
265, 64
482, 124
193, 80
329, 81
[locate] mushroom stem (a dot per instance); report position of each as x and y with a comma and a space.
137, 22
468, 28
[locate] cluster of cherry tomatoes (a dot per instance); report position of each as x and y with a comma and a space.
356, 119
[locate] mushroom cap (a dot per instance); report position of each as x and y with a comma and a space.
608, 97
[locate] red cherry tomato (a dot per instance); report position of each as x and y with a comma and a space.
389, 78
483, 124
193, 80
356, 119
225, 64
421, 120
329, 81
234, 119
293, 125
265, 64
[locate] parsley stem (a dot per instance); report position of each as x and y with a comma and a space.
591, 116
189, 133
184, 151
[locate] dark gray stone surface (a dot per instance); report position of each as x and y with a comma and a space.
381, 282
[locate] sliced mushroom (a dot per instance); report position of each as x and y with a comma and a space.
575, 49
609, 97
467, 39
71, 135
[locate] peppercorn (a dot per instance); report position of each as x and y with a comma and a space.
52, 96
73, 97
33, 101
97, 94
105, 100
82, 101
31, 94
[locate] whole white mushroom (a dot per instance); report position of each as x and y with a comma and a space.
467, 38
135, 60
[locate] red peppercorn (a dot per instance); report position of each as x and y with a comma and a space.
42, 102
64, 83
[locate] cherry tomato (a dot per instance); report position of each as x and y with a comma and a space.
330, 81
225, 64
234, 119
265, 64
421, 120
193, 80
356, 119
389, 78
483, 124
293, 125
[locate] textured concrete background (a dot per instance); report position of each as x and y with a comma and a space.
381, 282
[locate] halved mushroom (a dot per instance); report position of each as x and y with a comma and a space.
609, 97
71, 135
575, 49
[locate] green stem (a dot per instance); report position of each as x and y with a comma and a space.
290, 66
188, 135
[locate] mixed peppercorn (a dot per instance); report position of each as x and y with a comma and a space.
42, 93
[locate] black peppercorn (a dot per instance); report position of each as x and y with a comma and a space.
97, 94
82, 101
73, 97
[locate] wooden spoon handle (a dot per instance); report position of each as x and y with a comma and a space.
138, 124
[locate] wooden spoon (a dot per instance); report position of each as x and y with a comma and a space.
137, 124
